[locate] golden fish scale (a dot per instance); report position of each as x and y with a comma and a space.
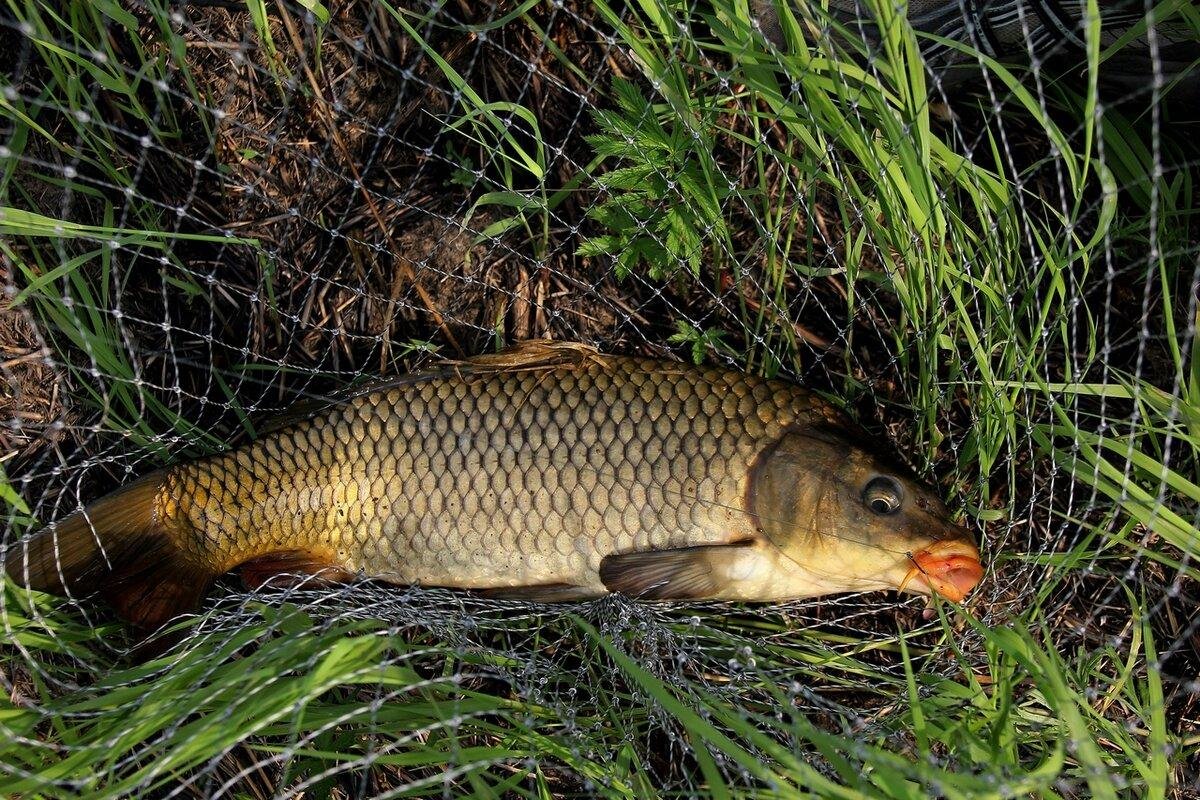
495, 478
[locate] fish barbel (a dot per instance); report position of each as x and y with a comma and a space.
548, 472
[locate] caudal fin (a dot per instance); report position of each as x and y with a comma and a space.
115, 547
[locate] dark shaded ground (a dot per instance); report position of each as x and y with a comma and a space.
31, 400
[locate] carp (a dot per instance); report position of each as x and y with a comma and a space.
548, 472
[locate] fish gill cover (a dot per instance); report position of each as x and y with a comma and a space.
973, 228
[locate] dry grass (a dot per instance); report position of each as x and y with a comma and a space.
33, 410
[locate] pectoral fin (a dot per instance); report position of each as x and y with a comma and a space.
685, 573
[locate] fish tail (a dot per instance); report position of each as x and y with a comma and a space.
118, 547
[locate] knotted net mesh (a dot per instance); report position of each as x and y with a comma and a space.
971, 225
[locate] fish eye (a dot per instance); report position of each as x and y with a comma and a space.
882, 495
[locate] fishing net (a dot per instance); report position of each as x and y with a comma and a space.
973, 226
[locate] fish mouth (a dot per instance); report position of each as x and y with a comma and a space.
951, 569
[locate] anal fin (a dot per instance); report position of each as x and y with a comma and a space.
684, 573
293, 567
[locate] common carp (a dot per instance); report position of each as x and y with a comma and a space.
549, 472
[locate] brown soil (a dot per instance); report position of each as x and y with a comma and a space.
32, 411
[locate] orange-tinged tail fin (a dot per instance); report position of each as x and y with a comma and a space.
115, 547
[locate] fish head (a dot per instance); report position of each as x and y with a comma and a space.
843, 517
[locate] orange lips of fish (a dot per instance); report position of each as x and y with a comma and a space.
951, 569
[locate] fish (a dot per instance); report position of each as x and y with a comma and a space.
546, 472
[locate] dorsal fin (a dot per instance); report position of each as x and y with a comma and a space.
527, 355
298, 411
531, 354
306, 408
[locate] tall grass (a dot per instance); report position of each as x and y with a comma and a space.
969, 274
